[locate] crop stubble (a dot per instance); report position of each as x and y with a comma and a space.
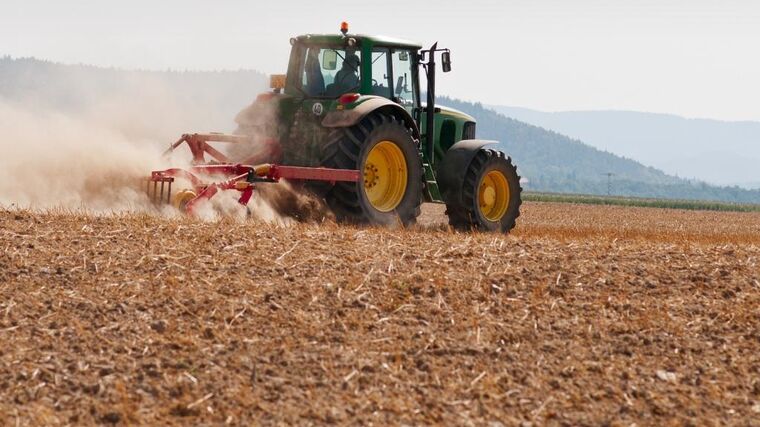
584, 315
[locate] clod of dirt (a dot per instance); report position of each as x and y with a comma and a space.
208, 333
158, 326
184, 411
111, 418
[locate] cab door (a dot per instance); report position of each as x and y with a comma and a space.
403, 80
381, 73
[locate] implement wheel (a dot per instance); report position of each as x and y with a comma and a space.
182, 198
490, 194
383, 149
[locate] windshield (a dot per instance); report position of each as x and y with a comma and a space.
330, 72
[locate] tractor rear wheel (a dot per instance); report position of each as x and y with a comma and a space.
383, 149
490, 194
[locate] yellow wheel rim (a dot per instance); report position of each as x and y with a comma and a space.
181, 199
493, 195
385, 176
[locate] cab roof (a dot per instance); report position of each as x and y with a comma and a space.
360, 38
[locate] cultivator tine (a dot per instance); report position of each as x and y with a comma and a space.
161, 186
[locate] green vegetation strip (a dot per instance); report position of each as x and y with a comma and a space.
700, 205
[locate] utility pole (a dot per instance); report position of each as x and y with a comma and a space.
609, 182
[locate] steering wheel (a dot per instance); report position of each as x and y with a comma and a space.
374, 82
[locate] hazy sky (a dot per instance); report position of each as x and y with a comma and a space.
697, 58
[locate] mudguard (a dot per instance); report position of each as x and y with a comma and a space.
346, 118
453, 168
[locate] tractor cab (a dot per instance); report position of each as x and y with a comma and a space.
330, 66
335, 73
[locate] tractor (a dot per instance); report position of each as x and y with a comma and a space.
352, 102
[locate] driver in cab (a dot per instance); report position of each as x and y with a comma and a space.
347, 78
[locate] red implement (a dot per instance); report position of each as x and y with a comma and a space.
206, 178
199, 147
237, 177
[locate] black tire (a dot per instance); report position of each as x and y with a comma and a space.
348, 148
469, 216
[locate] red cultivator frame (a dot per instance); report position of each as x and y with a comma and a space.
231, 176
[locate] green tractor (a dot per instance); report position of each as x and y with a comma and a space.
352, 101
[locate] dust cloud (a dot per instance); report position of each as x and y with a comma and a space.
278, 203
292, 202
98, 160
83, 138
258, 121
50, 159
80, 137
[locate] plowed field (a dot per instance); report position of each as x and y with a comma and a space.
585, 315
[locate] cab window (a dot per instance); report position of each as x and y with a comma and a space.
403, 84
329, 72
381, 84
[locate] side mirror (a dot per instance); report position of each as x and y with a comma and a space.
330, 60
446, 61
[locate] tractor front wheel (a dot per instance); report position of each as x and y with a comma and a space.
490, 194
383, 149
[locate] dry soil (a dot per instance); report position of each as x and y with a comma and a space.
585, 315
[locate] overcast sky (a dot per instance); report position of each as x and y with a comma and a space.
696, 58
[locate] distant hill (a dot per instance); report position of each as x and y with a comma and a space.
159, 105
174, 101
714, 151
554, 162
